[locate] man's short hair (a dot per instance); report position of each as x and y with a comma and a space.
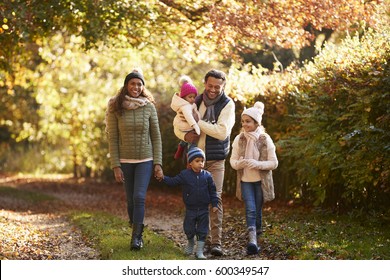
215, 74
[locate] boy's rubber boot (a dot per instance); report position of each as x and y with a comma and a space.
136, 237
199, 250
252, 248
189, 249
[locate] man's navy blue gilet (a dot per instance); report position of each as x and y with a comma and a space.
216, 149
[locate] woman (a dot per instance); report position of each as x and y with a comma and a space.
135, 146
253, 156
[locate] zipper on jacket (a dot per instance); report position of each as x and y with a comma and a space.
198, 186
134, 136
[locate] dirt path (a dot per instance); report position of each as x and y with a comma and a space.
41, 237
44, 232
31, 231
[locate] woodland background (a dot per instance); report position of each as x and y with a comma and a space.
320, 67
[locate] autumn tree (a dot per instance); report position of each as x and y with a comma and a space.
72, 89
193, 31
248, 24
222, 26
198, 30
26, 25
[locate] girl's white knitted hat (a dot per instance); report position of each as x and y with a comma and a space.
256, 112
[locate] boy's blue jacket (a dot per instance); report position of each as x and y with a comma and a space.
198, 188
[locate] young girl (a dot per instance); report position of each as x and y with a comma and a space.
253, 156
187, 115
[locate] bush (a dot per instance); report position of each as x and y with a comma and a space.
339, 143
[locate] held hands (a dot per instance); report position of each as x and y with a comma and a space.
196, 128
215, 209
158, 173
120, 178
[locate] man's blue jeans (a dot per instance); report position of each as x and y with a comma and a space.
137, 178
253, 198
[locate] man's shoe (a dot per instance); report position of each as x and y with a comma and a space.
216, 250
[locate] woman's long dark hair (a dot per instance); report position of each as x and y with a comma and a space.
117, 101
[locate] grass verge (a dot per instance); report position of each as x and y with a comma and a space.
28, 196
112, 238
313, 235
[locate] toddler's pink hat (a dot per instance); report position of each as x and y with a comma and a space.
187, 86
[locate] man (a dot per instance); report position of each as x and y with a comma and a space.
217, 112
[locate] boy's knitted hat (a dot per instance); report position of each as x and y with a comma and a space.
255, 112
194, 153
186, 86
136, 73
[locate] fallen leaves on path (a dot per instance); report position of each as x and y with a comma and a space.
40, 231
26, 236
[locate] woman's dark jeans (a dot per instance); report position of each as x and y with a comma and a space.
137, 178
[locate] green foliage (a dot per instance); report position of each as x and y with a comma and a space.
35, 158
329, 120
247, 84
72, 90
338, 144
112, 237
15, 102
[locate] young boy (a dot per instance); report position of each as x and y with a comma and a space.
198, 192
